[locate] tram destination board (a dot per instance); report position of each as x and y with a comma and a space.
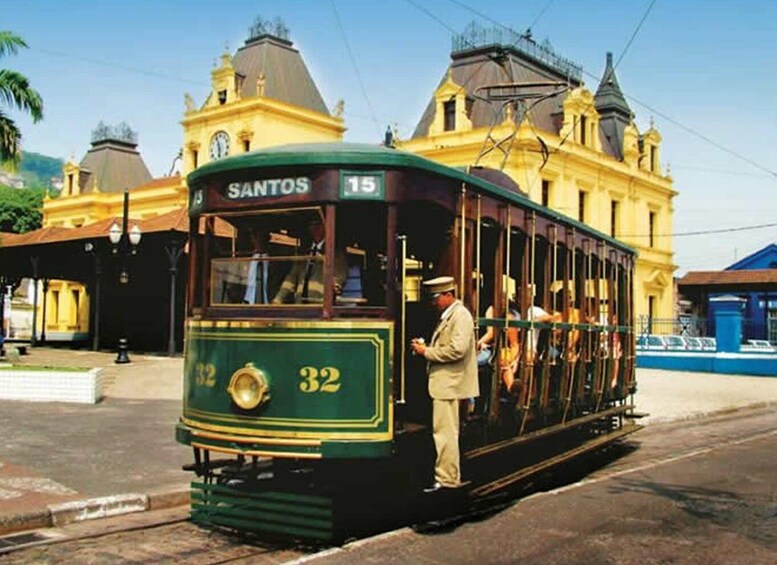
360, 185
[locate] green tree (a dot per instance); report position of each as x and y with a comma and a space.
20, 209
15, 92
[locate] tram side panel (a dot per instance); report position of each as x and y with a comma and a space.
319, 391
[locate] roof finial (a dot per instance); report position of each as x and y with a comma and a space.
188, 102
339, 108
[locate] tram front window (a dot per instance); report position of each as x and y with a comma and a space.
278, 259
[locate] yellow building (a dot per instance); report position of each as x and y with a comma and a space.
517, 106
261, 96
93, 189
571, 149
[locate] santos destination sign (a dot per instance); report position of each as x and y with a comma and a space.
267, 188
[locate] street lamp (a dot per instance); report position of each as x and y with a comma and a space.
124, 244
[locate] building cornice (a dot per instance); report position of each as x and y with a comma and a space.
251, 105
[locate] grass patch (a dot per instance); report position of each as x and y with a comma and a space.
44, 368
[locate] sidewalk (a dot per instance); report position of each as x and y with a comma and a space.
54, 453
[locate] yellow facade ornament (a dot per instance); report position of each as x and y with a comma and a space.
339, 108
631, 144
189, 102
260, 83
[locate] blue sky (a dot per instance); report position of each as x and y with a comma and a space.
703, 68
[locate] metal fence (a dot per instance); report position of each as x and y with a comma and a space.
705, 327
685, 326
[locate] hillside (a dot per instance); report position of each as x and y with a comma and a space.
37, 170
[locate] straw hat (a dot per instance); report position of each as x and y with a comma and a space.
438, 285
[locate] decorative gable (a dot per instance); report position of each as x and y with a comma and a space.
651, 142
451, 108
224, 83
581, 120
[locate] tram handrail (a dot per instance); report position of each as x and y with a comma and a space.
403, 327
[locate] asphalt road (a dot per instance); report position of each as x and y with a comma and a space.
699, 492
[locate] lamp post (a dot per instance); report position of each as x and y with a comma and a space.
124, 243
95, 293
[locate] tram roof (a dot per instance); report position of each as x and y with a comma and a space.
363, 154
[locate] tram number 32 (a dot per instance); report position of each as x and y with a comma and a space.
324, 380
206, 374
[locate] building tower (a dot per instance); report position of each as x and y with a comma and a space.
568, 149
261, 96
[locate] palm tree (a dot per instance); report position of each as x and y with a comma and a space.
15, 92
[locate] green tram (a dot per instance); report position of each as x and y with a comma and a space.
302, 401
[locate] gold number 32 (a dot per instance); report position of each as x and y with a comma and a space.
206, 374
325, 380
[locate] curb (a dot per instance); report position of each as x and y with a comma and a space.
56, 515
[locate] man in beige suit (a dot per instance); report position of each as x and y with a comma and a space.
453, 376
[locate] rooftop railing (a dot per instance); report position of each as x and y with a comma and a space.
475, 36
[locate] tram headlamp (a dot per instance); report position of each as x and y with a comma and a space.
249, 387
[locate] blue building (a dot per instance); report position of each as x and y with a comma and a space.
753, 278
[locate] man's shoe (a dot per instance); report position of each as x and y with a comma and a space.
437, 486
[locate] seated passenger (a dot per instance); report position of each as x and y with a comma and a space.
257, 271
304, 283
617, 353
538, 315
572, 316
509, 353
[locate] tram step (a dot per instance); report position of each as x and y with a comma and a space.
283, 513
522, 474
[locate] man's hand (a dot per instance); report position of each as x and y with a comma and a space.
418, 346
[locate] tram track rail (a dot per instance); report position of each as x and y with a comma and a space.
169, 538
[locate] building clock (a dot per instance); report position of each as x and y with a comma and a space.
219, 145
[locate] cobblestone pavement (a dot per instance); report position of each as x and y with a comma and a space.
165, 537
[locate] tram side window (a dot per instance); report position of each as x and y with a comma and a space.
361, 238
245, 264
278, 258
